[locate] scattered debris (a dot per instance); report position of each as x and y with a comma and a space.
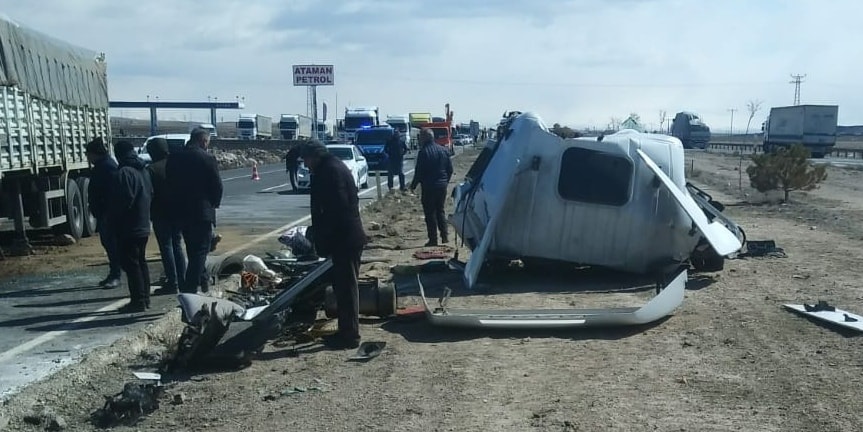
797, 276
431, 254
294, 390
46, 418
762, 248
147, 376
830, 314
375, 226
368, 351
179, 398
127, 407
63, 240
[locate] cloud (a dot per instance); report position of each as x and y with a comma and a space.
574, 62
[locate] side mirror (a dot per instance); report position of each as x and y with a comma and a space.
361, 159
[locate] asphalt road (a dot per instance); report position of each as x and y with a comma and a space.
51, 320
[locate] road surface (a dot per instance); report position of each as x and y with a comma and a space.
51, 320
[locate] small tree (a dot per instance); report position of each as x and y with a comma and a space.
786, 170
753, 107
663, 116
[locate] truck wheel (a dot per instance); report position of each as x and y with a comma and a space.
74, 225
89, 219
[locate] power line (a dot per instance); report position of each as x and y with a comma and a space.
796, 80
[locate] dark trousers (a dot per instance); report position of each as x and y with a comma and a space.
169, 237
396, 168
345, 274
134, 262
198, 236
292, 177
434, 200
108, 238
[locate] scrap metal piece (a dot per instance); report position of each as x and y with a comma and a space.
668, 299
830, 314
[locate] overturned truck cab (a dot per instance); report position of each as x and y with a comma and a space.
619, 202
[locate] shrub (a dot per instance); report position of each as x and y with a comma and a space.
787, 169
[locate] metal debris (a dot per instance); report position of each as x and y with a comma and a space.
127, 407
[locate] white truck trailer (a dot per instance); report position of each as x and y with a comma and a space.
254, 126
53, 101
295, 127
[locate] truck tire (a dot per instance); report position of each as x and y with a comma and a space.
89, 219
74, 225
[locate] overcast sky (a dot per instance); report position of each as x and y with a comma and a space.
574, 62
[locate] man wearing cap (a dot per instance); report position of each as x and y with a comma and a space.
433, 171
130, 208
102, 176
196, 192
337, 232
167, 230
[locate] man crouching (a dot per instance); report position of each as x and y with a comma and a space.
338, 234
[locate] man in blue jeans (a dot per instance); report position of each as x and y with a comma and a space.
167, 230
103, 175
396, 149
196, 192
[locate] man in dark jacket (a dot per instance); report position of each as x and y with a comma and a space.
102, 176
167, 230
433, 171
338, 234
292, 164
196, 187
130, 208
396, 150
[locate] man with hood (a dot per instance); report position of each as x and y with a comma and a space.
131, 211
396, 148
433, 171
196, 192
167, 230
338, 234
98, 196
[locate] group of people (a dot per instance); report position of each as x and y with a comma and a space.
178, 192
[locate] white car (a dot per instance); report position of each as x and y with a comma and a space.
352, 158
174, 141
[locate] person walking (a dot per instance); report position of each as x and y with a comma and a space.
433, 171
396, 150
292, 164
337, 233
130, 206
167, 230
102, 176
196, 187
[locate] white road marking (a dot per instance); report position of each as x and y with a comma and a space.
249, 176
54, 334
275, 187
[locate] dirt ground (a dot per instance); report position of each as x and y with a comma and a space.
730, 358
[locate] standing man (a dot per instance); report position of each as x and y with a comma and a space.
102, 177
196, 186
130, 206
165, 227
338, 234
292, 165
433, 171
396, 150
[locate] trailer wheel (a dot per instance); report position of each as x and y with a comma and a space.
74, 225
89, 219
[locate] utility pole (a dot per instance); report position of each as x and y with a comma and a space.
731, 132
796, 80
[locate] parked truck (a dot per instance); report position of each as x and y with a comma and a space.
443, 130
690, 130
254, 126
814, 126
295, 127
54, 101
358, 118
418, 119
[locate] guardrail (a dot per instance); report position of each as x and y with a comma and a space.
743, 148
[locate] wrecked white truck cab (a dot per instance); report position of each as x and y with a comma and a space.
619, 202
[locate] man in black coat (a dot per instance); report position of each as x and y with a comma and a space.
292, 164
338, 234
165, 228
433, 171
102, 176
396, 149
196, 187
130, 210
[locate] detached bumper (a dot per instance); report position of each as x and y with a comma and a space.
663, 304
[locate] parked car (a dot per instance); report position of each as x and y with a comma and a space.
463, 140
175, 141
352, 158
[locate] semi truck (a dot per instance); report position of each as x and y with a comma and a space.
254, 126
814, 126
356, 119
442, 128
55, 101
690, 130
322, 132
418, 119
295, 127
401, 123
